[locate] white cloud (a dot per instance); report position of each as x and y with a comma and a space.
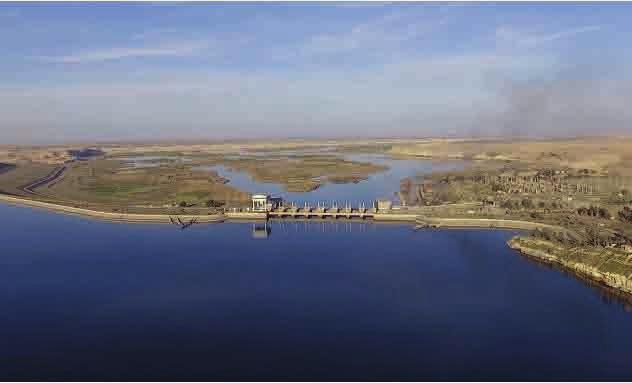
383, 32
404, 91
515, 36
417, 96
185, 48
153, 33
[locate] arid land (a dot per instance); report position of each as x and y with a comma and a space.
578, 189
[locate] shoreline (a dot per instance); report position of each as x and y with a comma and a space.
484, 223
109, 216
548, 252
419, 220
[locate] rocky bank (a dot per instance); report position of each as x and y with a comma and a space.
610, 266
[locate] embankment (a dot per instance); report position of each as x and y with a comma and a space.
421, 221
110, 216
611, 267
491, 223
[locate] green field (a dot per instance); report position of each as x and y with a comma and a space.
171, 178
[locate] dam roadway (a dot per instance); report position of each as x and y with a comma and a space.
322, 212
410, 216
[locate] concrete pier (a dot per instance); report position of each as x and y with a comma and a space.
321, 212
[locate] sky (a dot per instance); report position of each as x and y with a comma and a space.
186, 71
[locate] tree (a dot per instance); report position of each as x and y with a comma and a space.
548, 234
594, 237
625, 215
497, 187
213, 203
563, 238
527, 203
594, 211
535, 215
509, 204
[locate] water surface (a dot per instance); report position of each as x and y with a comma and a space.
84, 299
380, 185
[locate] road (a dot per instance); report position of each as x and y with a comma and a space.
52, 176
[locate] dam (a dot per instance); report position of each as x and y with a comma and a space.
323, 211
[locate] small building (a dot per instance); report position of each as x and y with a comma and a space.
263, 202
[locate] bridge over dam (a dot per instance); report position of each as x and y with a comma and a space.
449, 216
321, 215
322, 212
306, 211
264, 207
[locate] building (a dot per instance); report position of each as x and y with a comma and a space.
263, 202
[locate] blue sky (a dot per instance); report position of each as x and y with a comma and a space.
139, 71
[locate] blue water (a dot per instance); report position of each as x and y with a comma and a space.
381, 185
87, 300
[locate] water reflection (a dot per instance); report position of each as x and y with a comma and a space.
263, 230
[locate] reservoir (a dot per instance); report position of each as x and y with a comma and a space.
91, 300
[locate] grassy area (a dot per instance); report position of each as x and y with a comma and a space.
365, 148
303, 172
113, 182
13, 180
168, 181
120, 190
148, 154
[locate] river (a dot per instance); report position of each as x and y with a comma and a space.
91, 300
380, 185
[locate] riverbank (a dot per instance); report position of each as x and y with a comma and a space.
488, 223
110, 216
609, 266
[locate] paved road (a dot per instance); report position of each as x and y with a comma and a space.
52, 176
